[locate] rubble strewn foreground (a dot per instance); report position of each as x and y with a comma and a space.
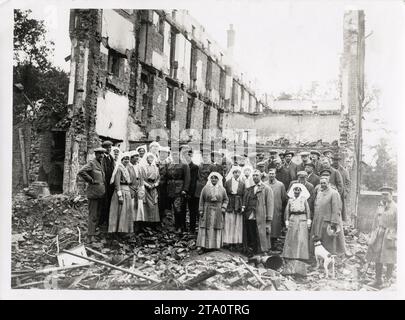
165, 260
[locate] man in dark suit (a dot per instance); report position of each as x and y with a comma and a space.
193, 200
270, 164
108, 164
282, 174
290, 165
335, 178
315, 156
312, 177
305, 159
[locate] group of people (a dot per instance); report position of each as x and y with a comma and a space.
230, 201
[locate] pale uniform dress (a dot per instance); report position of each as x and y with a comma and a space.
150, 175
136, 186
296, 245
213, 200
233, 224
121, 214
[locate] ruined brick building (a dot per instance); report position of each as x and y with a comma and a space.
133, 72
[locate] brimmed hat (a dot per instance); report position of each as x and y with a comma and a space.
100, 150
337, 157
309, 164
107, 143
289, 152
273, 151
323, 171
261, 164
327, 151
315, 152
302, 173
304, 153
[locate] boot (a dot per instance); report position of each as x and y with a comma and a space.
388, 274
377, 283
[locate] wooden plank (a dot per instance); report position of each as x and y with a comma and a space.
140, 275
22, 149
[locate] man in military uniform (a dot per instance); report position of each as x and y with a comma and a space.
312, 178
382, 247
346, 183
335, 177
178, 184
270, 164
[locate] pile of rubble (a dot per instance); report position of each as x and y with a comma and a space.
45, 228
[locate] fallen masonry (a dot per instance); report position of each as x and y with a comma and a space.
152, 260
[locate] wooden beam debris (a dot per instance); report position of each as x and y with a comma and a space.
48, 270
134, 273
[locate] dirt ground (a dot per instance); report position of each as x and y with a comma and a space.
165, 260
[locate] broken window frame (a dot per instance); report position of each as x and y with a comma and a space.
115, 63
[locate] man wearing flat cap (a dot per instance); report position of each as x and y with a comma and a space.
282, 174
335, 178
315, 156
108, 164
290, 165
312, 178
346, 183
328, 153
382, 246
304, 160
93, 174
270, 162
261, 167
281, 155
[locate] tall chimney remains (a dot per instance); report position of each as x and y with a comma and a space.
230, 39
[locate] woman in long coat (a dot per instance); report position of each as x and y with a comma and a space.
150, 175
121, 209
212, 207
298, 220
136, 186
235, 189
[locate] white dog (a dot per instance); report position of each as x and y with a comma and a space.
322, 254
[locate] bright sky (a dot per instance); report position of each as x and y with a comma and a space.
288, 44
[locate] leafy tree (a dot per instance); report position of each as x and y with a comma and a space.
384, 171
30, 44
42, 98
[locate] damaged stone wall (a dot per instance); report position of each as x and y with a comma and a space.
299, 128
136, 72
352, 96
81, 136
